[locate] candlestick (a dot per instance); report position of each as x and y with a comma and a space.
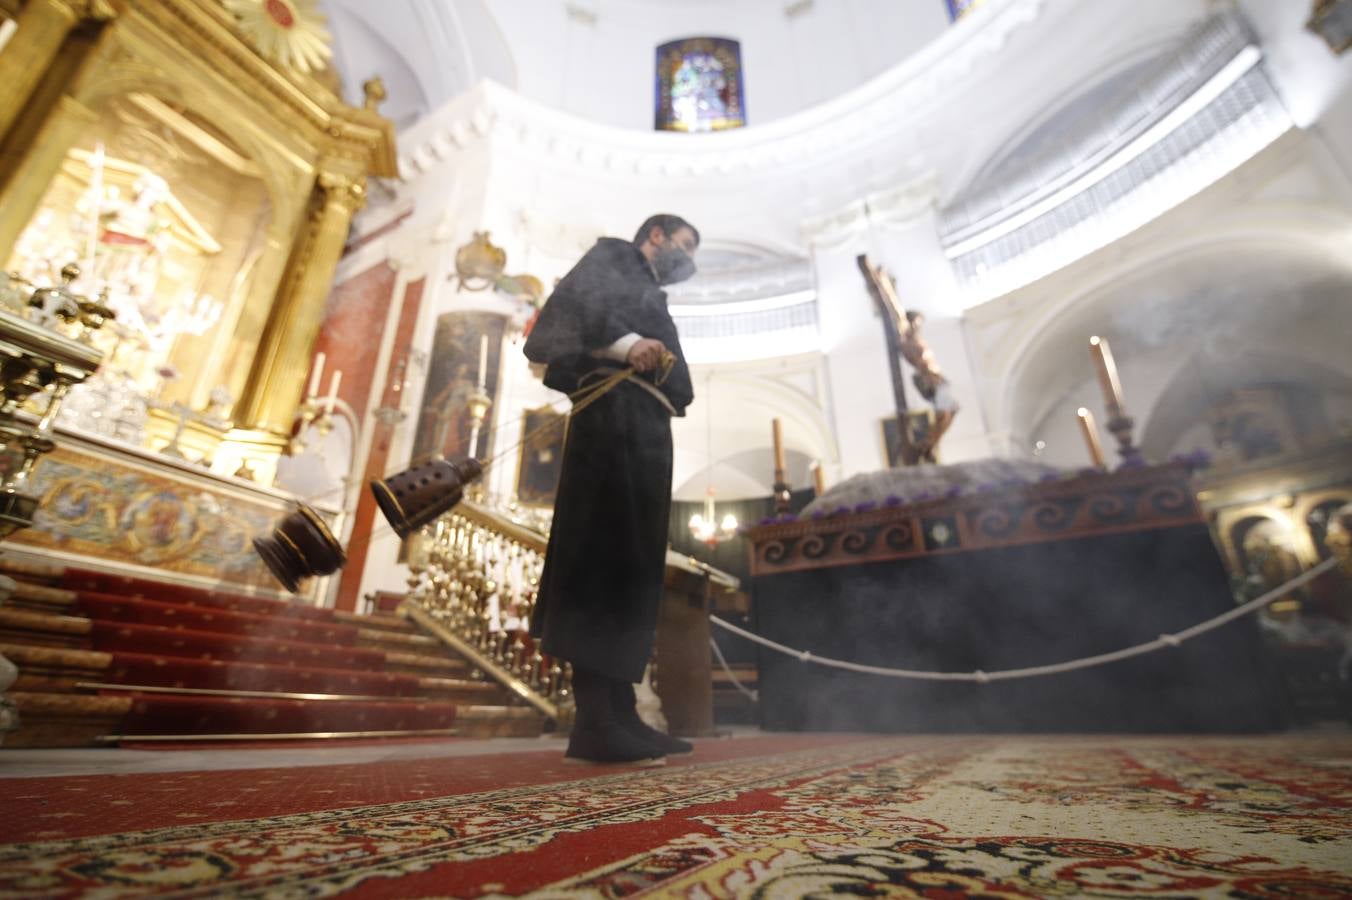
315, 375
818, 478
1107, 376
333, 391
1091, 437
483, 362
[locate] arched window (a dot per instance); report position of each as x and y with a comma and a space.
699, 85
959, 8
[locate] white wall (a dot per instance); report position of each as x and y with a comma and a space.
1245, 284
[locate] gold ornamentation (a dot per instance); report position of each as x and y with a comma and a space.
481, 264
173, 55
1332, 20
374, 91
290, 33
1339, 537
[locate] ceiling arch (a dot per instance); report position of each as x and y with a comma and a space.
1172, 323
1163, 290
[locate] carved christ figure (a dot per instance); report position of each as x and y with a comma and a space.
928, 378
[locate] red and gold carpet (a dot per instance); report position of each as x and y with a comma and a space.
786, 816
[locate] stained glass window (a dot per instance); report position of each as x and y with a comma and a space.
959, 8
699, 85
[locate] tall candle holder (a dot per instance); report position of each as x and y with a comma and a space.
1119, 424
478, 403
35, 356
782, 493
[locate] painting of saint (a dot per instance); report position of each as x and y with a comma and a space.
537, 477
445, 426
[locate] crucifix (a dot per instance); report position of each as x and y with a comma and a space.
918, 431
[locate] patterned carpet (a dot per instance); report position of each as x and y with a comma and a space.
771, 817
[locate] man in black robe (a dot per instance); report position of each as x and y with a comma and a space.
602, 581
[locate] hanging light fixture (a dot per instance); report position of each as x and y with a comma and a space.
705, 526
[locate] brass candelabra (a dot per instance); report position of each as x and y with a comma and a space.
47, 348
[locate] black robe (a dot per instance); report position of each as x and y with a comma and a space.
602, 582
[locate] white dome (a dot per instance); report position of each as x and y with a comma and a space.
596, 58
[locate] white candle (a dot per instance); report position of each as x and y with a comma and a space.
333, 391
483, 361
777, 440
315, 374
1107, 375
1091, 437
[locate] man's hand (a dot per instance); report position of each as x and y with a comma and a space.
646, 355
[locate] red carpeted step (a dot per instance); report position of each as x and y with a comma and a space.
115, 637
165, 592
102, 607
158, 714
163, 671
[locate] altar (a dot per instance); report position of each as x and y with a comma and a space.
1002, 577
175, 194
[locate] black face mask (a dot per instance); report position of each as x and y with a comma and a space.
671, 264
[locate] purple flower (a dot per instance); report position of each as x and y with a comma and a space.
1132, 462
1196, 459
788, 517
1050, 476
985, 487
921, 497
840, 511
1091, 470
892, 500
866, 506
954, 491
818, 514
768, 520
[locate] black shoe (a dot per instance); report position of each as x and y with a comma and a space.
666, 743
624, 705
611, 744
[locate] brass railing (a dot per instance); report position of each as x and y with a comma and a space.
475, 577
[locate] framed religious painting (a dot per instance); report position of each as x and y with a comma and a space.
464, 363
537, 476
919, 423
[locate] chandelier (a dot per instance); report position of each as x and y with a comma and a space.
705, 526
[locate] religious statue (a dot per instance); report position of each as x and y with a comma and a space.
902, 328
131, 238
929, 381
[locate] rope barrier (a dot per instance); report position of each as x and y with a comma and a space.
755, 697
1161, 642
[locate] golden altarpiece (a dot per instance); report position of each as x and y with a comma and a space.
203, 183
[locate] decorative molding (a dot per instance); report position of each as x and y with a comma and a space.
770, 279
897, 205
873, 114
1012, 515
